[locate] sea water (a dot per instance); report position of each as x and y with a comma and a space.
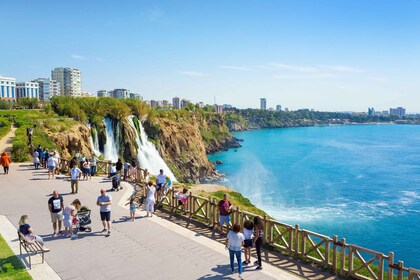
360, 182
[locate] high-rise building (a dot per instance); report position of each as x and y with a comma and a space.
165, 103
136, 96
8, 89
47, 88
176, 103
27, 89
278, 108
263, 104
219, 108
399, 111
121, 93
70, 80
153, 103
184, 103
371, 111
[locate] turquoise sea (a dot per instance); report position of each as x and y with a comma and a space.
360, 182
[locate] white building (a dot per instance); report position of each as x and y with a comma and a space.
399, 111
70, 80
278, 108
27, 89
47, 88
8, 89
263, 104
103, 93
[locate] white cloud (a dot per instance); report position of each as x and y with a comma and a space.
193, 73
303, 76
238, 68
341, 68
79, 57
295, 68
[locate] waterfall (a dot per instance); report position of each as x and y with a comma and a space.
111, 147
94, 142
147, 154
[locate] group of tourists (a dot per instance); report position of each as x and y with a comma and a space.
87, 166
236, 240
42, 157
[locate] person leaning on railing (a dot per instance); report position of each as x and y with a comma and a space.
258, 239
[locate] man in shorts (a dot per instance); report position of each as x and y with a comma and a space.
56, 206
160, 182
104, 201
225, 207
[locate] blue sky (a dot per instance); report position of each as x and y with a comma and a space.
327, 55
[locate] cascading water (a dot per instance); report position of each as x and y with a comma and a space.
147, 155
111, 147
94, 142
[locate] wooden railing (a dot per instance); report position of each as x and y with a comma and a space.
332, 253
338, 256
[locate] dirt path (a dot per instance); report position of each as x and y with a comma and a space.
6, 141
211, 188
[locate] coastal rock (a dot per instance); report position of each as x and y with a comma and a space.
219, 161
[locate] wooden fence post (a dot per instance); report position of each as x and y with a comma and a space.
343, 257
297, 236
390, 265
334, 256
400, 271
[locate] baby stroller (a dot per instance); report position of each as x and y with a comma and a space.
116, 182
83, 220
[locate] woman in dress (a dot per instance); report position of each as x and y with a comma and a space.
28, 233
150, 198
69, 215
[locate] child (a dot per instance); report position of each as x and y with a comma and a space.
182, 197
248, 233
133, 207
166, 187
150, 198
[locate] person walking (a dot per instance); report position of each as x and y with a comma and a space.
56, 206
92, 166
119, 166
36, 160
5, 162
150, 198
234, 242
258, 239
86, 170
69, 214
51, 166
126, 166
104, 201
75, 174
28, 233
225, 208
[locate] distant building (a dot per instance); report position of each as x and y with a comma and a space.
136, 96
385, 113
263, 104
278, 108
8, 89
371, 111
70, 80
399, 111
121, 93
227, 106
271, 109
176, 103
286, 109
184, 103
201, 104
47, 88
27, 89
103, 93
219, 108
153, 103
165, 103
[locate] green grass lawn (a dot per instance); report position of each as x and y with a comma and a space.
10, 266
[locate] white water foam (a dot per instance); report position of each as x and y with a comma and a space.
94, 142
147, 154
111, 147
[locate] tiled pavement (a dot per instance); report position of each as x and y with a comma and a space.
148, 248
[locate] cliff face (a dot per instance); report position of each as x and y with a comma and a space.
72, 140
181, 146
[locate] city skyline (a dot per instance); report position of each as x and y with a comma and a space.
329, 56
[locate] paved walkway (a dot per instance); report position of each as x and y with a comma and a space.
6, 141
148, 248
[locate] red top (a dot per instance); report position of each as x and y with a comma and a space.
224, 207
5, 160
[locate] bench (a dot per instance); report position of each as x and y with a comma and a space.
30, 247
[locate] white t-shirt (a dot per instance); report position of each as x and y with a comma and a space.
151, 193
248, 234
51, 162
75, 172
235, 240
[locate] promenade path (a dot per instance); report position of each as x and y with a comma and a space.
148, 248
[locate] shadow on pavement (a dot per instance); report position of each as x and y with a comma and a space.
223, 272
